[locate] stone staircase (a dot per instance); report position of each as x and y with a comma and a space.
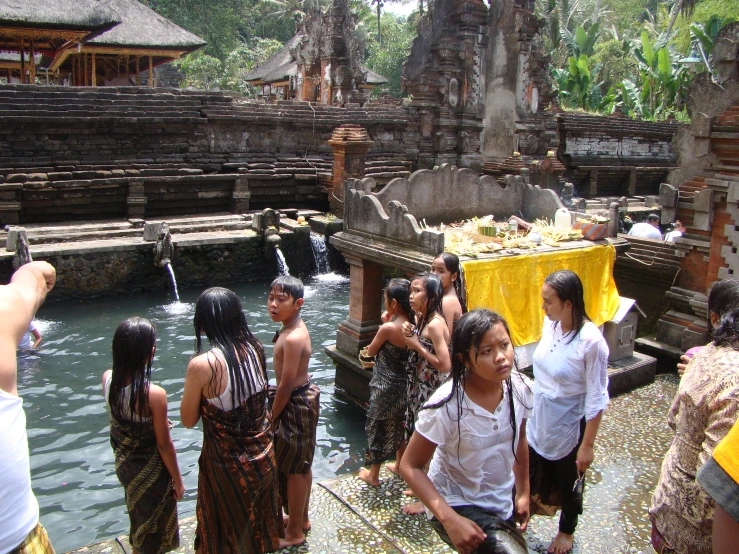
175, 139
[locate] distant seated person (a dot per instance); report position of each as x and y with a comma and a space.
647, 230
26, 343
677, 231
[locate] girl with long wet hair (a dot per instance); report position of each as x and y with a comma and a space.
446, 267
570, 395
428, 340
385, 425
226, 385
139, 434
473, 429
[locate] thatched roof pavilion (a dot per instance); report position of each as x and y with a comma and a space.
141, 42
31, 27
90, 42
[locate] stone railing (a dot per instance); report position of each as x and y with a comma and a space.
444, 194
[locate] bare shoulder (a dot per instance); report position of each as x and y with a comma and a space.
157, 395
106, 376
199, 367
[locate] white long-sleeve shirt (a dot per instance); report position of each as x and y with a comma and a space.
571, 382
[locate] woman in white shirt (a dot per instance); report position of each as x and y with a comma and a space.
473, 429
570, 394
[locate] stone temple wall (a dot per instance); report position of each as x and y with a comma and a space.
68, 153
129, 269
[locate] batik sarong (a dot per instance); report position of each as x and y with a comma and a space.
385, 425
237, 507
423, 380
36, 542
148, 488
295, 432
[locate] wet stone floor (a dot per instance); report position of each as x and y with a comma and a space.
349, 516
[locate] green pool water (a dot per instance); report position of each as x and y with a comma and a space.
71, 459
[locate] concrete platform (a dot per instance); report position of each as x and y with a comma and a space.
628, 373
349, 516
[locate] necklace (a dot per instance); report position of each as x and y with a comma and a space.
283, 328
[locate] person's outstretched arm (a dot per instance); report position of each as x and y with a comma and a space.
19, 301
37, 336
465, 534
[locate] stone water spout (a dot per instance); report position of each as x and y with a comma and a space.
22, 254
163, 249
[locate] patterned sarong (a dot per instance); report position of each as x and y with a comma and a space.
147, 483
295, 432
37, 542
385, 425
237, 507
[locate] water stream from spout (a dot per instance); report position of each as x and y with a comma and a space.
320, 253
281, 263
174, 281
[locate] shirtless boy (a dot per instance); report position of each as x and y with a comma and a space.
294, 406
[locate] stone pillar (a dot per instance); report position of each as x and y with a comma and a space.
136, 200
240, 195
350, 144
365, 302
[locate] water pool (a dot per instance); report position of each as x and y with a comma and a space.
72, 466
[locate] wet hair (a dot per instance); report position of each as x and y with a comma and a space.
292, 286
568, 286
451, 262
723, 300
652, 217
133, 342
434, 292
218, 314
468, 334
399, 290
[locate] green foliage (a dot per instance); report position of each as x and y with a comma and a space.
617, 61
728, 10
576, 85
660, 86
207, 72
388, 57
201, 70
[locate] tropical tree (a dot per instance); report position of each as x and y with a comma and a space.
577, 85
201, 71
387, 58
661, 83
684, 7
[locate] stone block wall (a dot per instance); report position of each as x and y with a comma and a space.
130, 269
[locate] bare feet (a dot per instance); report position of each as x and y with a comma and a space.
414, 508
306, 522
408, 492
561, 544
392, 468
367, 476
287, 542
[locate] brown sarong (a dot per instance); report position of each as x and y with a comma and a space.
295, 431
152, 509
237, 507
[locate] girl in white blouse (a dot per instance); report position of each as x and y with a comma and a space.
473, 429
570, 394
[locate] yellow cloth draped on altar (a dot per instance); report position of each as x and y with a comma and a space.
512, 285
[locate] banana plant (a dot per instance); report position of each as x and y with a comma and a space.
577, 87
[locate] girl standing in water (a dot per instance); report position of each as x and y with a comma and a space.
429, 361
473, 429
145, 458
226, 385
446, 267
386, 415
